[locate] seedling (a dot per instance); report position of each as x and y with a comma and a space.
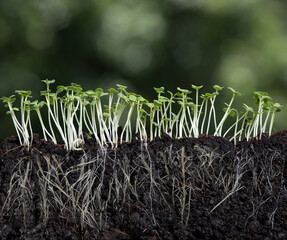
72, 111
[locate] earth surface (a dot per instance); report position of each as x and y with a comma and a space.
192, 188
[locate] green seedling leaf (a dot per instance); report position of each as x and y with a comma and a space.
113, 108
85, 102
150, 105
132, 98
27, 102
23, 93
232, 112
45, 93
163, 99
196, 87
93, 102
105, 114
112, 90
234, 92
217, 87
249, 109
256, 95
263, 93
259, 94
278, 107
10, 99
266, 99
191, 104
64, 100
13, 109
124, 97
121, 87
41, 104
78, 98
70, 98
157, 103
53, 95
181, 90
75, 85
48, 82
33, 107
159, 90
61, 88
90, 93
99, 92
206, 96
142, 100
76, 89
120, 95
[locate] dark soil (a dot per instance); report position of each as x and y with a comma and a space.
205, 188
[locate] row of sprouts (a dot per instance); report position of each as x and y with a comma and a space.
118, 116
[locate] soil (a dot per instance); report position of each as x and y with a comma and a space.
204, 188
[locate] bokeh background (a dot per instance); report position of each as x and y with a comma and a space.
144, 44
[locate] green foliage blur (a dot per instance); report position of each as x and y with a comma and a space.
144, 44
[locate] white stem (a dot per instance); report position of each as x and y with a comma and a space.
220, 125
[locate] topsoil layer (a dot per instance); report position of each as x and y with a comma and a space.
204, 188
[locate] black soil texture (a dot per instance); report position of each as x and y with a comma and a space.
191, 188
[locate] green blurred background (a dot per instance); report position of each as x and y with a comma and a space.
144, 44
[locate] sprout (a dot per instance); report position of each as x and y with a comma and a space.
205, 100
36, 107
227, 112
46, 94
159, 90
71, 111
277, 107
212, 98
245, 120
196, 113
25, 117
141, 118
232, 113
9, 103
264, 102
151, 117
127, 127
182, 112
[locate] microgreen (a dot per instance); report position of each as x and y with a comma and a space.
73, 111
9, 103
196, 113
227, 111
